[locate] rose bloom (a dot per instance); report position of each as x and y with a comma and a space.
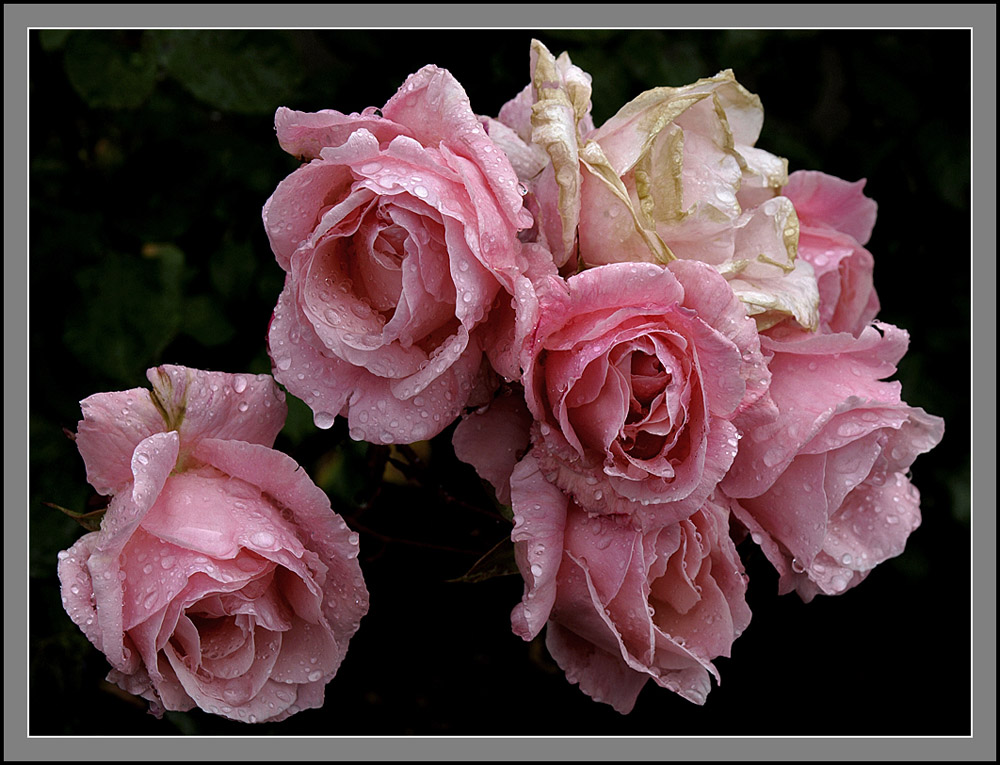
220, 576
399, 236
824, 487
673, 174
621, 605
633, 373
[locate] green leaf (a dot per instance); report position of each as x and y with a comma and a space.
231, 269
90, 521
499, 561
110, 69
53, 39
205, 321
130, 311
248, 72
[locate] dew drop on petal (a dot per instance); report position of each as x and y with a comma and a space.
323, 420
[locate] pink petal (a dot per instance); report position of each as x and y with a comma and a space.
436, 108
219, 405
871, 527
305, 366
714, 302
77, 588
494, 439
539, 522
305, 134
309, 653
601, 675
516, 113
378, 414
113, 425
227, 696
216, 516
292, 211
824, 200
152, 462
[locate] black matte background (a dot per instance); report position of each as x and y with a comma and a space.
171, 170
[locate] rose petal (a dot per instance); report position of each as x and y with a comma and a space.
601, 675
305, 134
113, 425
493, 440
219, 405
824, 200
539, 521
152, 462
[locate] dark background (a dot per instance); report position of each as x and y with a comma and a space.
151, 155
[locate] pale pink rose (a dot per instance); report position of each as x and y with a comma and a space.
633, 373
399, 237
220, 577
835, 221
621, 606
674, 174
823, 488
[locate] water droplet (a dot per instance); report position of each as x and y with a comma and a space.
371, 167
536, 570
315, 675
323, 420
239, 383
262, 539
420, 191
773, 456
142, 459
243, 406
284, 363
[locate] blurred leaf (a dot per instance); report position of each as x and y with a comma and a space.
205, 321
299, 423
960, 488
231, 268
108, 69
131, 311
53, 39
245, 72
499, 561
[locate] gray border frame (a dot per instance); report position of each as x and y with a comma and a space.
980, 18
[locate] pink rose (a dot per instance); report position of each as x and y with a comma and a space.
633, 373
824, 487
623, 606
220, 576
835, 221
398, 238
